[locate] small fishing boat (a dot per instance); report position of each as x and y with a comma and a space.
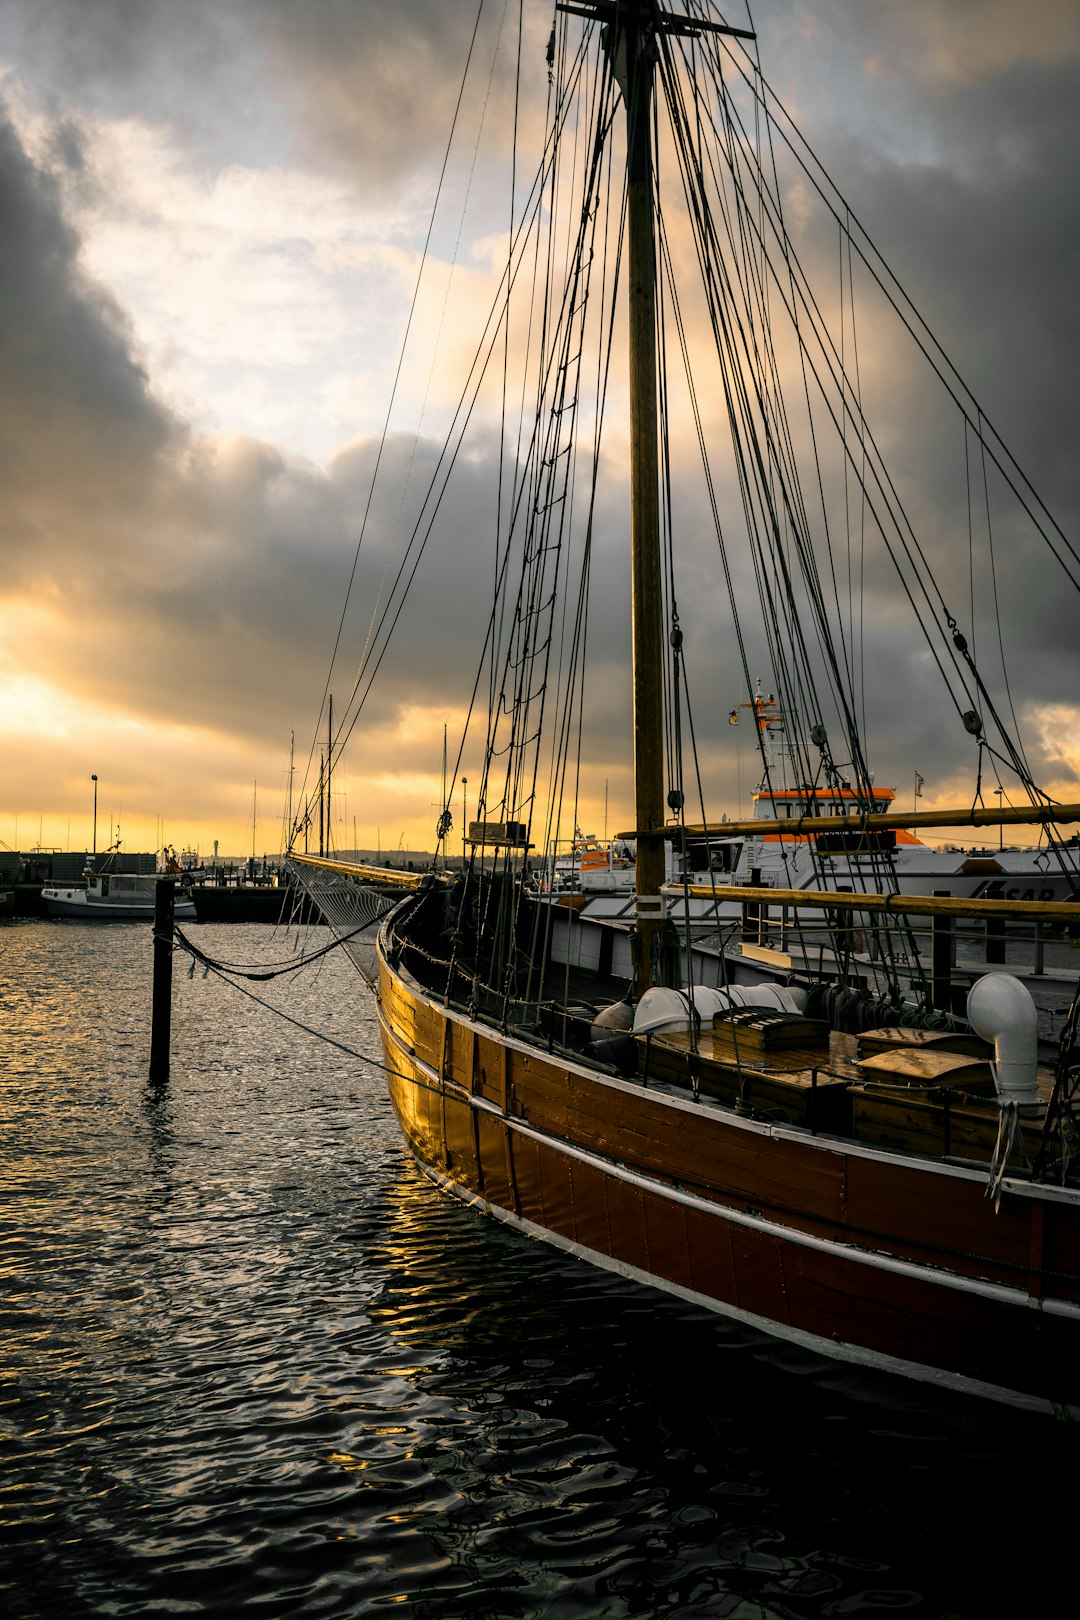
784, 847
113, 897
591, 866
807, 1134
788, 854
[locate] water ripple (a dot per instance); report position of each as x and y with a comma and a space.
250, 1361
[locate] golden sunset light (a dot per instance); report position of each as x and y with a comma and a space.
211, 256
539, 808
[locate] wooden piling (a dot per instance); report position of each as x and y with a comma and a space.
751, 914
995, 939
941, 959
161, 1014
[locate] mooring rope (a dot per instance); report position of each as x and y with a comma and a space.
275, 971
230, 976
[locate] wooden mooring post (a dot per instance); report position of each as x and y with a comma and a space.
942, 957
161, 1012
751, 930
995, 939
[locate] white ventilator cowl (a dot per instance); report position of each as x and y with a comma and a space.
1001, 1010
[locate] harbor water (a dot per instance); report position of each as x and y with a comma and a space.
252, 1362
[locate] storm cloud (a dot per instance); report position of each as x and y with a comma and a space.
211, 224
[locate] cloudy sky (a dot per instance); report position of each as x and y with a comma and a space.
211, 217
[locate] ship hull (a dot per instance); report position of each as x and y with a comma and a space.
867, 1256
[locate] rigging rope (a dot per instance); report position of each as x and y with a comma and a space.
393, 391
532, 662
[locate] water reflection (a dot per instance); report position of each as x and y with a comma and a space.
250, 1356
704, 1461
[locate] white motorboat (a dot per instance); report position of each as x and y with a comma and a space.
113, 897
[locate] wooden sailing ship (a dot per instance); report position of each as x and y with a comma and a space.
896, 1202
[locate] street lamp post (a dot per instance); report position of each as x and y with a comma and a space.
464, 818
94, 780
1001, 825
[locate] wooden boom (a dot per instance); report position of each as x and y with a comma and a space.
1064, 911
810, 826
373, 874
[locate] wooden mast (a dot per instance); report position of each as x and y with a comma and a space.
646, 590
633, 26
631, 33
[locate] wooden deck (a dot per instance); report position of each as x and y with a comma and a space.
906, 1094
800, 1085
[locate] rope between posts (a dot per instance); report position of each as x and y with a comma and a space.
225, 974
276, 972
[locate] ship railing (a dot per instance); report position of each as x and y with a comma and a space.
760, 926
